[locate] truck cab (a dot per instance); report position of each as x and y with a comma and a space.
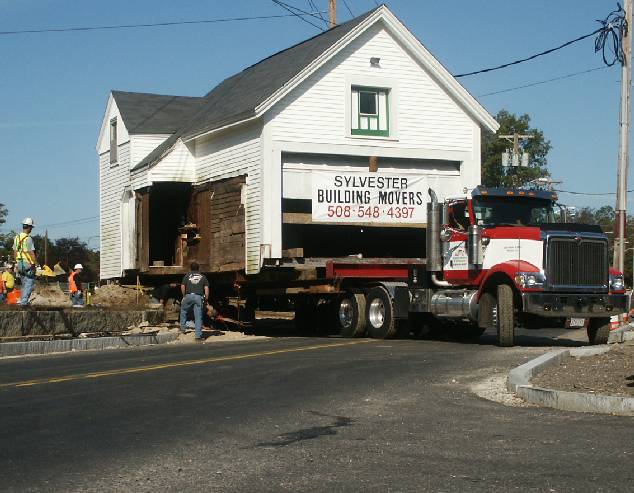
512, 254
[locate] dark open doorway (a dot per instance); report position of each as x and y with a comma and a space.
168, 213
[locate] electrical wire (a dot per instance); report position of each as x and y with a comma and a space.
70, 222
589, 193
348, 7
532, 84
157, 24
610, 35
292, 9
313, 6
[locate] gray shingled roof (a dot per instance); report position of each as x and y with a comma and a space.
236, 98
144, 113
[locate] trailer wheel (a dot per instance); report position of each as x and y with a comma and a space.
380, 314
599, 330
351, 315
505, 316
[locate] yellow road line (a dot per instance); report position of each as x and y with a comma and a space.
175, 364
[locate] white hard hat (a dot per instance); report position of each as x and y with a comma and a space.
28, 221
78, 266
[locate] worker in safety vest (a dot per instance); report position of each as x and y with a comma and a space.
25, 259
6, 284
75, 286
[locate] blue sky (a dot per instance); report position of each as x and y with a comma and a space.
54, 87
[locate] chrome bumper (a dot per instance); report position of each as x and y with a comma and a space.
574, 305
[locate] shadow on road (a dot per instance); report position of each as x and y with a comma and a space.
272, 327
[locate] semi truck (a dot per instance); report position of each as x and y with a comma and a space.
492, 258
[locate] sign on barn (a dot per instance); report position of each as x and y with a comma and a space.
368, 197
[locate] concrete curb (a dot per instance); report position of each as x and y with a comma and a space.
519, 378
46, 347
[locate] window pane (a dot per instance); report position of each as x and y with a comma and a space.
113, 140
367, 103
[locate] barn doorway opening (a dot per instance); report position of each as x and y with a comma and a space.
167, 217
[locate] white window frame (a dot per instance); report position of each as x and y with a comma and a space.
373, 83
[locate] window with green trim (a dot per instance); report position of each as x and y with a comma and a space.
370, 111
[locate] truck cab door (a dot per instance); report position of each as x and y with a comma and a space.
456, 263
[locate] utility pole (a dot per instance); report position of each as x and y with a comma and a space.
46, 247
624, 137
518, 157
332, 13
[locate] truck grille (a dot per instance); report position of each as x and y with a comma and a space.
577, 263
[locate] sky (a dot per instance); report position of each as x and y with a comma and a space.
54, 86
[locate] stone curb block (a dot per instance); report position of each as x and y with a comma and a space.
519, 378
46, 347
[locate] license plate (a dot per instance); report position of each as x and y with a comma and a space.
577, 322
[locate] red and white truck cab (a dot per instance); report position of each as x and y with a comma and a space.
502, 259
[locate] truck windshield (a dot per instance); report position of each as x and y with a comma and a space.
512, 211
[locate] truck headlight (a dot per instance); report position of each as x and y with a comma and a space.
530, 279
617, 283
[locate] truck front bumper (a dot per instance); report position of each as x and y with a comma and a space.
574, 305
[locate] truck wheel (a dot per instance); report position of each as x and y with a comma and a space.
351, 315
487, 311
380, 314
505, 316
599, 330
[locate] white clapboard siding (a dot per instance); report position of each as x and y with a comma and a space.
142, 144
112, 183
426, 116
230, 154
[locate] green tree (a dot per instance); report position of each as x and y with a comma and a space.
493, 173
3, 213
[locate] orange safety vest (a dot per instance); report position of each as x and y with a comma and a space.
72, 285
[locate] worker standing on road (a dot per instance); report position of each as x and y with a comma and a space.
26, 260
75, 286
195, 289
7, 282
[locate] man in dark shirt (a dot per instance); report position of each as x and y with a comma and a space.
195, 289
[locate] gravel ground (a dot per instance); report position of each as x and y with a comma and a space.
611, 373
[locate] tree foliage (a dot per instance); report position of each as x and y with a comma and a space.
3, 213
493, 173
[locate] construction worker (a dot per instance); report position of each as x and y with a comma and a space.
25, 259
7, 283
75, 286
195, 290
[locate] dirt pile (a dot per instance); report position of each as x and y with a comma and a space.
188, 336
116, 295
49, 295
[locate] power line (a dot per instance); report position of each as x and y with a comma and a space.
312, 5
157, 24
348, 7
590, 193
70, 222
610, 35
567, 76
292, 9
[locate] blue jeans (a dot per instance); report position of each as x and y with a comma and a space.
77, 298
3, 298
196, 301
28, 282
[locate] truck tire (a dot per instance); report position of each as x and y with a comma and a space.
505, 316
351, 314
379, 313
599, 330
486, 309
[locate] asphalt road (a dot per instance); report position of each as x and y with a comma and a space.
295, 414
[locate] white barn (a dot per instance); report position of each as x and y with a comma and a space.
229, 178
